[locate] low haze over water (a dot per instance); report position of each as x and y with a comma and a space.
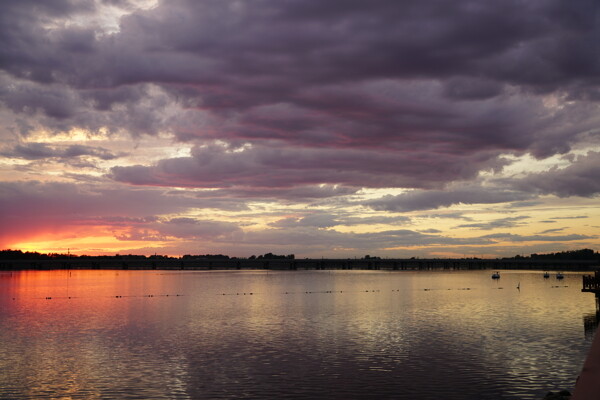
291, 334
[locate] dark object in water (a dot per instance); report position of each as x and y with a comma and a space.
562, 395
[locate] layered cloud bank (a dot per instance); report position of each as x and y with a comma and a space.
317, 128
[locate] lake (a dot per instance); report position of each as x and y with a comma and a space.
291, 334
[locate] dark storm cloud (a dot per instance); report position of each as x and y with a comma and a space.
397, 115
317, 40
57, 108
55, 102
272, 167
322, 73
471, 88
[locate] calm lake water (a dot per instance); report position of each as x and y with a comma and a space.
291, 334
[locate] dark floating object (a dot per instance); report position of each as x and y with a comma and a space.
559, 275
546, 275
496, 275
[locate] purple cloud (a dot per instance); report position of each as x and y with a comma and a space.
432, 199
39, 151
271, 167
32, 207
340, 74
578, 179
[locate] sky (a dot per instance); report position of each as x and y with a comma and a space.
334, 128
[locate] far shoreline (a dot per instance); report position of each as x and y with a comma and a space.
192, 264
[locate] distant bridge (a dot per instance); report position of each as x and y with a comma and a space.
429, 264
124, 262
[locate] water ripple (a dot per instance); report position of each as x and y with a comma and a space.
304, 335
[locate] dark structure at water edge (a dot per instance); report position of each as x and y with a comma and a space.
581, 260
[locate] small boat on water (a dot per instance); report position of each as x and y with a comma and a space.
546, 275
559, 275
496, 275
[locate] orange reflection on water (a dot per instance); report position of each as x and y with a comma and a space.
67, 327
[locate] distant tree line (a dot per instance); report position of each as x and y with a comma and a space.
207, 256
583, 254
33, 255
271, 256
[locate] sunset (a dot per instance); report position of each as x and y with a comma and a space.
320, 129
277, 199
